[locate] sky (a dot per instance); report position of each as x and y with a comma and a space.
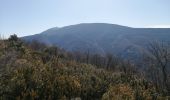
27, 17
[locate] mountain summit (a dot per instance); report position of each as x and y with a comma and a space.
102, 38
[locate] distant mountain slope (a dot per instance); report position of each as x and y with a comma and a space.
102, 38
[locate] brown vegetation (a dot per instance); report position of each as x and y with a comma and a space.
39, 72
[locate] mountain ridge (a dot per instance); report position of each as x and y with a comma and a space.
102, 38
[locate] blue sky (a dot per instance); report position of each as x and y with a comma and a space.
25, 17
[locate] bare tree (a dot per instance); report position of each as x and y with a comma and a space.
87, 56
160, 55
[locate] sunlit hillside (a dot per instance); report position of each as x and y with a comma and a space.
30, 71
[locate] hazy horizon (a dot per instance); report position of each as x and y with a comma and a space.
32, 17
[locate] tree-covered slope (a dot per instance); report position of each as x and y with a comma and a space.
36, 71
102, 38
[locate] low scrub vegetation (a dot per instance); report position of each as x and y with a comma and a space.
39, 72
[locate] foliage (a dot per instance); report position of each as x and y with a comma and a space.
48, 73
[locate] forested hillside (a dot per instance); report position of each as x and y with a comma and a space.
35, 71
103, 38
